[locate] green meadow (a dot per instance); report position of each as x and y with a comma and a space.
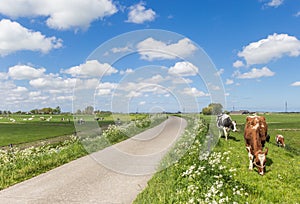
223, 176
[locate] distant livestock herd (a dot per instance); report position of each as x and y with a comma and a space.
255, 136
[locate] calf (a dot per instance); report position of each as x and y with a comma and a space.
255, 135
280, 140
225, 124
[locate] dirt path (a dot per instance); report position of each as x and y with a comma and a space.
114, 175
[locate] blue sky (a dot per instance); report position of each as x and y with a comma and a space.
47, 48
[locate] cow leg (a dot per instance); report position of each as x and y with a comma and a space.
225, 132
250, 158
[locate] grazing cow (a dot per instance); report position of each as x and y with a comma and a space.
280, 140
225, 124
255, 136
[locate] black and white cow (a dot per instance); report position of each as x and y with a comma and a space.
225, 124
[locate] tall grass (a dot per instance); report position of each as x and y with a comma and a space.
18, 165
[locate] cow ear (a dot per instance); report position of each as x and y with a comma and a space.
266, 152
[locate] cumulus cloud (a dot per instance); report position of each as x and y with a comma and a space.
127, 71
297, 83
220, 72
60, 15
275, 3
238, 64
255, 73
139, 14
194, 92
20, 89
273, 47
229, 81
91, 68
183, 69
50, 82
151, 49
121, 49
3, 75
14, 37
24, 72
105, 88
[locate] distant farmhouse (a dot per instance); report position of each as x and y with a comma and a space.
241, 112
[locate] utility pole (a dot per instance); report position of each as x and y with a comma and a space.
286, 106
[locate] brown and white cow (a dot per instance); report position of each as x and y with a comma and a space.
280, 140
255, 136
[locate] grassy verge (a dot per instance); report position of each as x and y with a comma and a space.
223, 175
18, 165
95, 140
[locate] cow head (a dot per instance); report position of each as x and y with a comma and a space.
260, 161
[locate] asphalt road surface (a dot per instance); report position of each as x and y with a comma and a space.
116, 174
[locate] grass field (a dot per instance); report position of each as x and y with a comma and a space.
21, 129
223, 176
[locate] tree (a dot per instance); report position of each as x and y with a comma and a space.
89, 110
207, 111
47, 110
57, 110
213, 109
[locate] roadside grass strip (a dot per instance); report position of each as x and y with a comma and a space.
95, 140
18, 165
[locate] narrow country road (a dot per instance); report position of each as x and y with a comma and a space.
114, 175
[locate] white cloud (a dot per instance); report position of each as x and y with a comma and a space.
213, 87
275, 3
151, 49
91, 68
142, 103
127, 71
273, 47
255, 73
183, 69
121, 49
62, 15
297, 14
229, 81
35, 93
20, 89
14, 37
194, 92
24, 72
139, 14
238, 64
65, 98
156, 79
105, 88
53, 83
297, 83
3, 75
220, 72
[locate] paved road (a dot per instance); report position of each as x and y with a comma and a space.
114, 175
